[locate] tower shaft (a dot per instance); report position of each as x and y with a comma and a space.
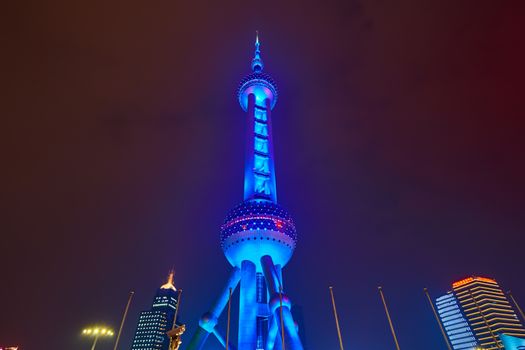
259, 172
248, 307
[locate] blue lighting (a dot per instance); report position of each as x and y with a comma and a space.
512, 343
262, 86
258, 236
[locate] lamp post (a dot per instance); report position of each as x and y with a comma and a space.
97, 332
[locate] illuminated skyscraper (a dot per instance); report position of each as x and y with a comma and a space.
154, 323
455, 323
476, 313
258, 236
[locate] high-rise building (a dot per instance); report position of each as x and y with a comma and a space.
155, 322
476, 313
455, 323
258, 236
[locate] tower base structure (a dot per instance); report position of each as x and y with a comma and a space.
261, 324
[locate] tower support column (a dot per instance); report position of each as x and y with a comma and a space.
209, 320
280, 306
248, 307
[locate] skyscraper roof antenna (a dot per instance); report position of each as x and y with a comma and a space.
257, 62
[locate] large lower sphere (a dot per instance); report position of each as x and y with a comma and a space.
254, 229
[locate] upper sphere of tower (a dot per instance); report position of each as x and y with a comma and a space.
258, 83
261, 85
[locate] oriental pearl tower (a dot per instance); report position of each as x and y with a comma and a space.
258, 236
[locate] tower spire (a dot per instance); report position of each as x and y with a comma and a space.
257, 62
170, 276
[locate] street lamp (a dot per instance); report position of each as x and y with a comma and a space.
97, 332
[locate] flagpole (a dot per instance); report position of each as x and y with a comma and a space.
281, 311
123, 319
484, 319
425, 290
388, 317
228, 324
336, 318
517, 306
176, 332
177, 310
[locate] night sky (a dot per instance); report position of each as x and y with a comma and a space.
399, 147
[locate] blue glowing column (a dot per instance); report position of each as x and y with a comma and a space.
208, 321
248, 307
258, 234
249, 154
259, 172
273, 339
263, 311
273, 183
273, 280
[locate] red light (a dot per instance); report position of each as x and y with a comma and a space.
472, 279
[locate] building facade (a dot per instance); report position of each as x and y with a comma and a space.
455, 323
476, 313
155, 322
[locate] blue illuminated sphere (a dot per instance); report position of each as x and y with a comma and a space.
254, 229
261, 85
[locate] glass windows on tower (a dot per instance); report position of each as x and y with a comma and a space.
261, 129
261, 145
261, 164
262, 184
260, 114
